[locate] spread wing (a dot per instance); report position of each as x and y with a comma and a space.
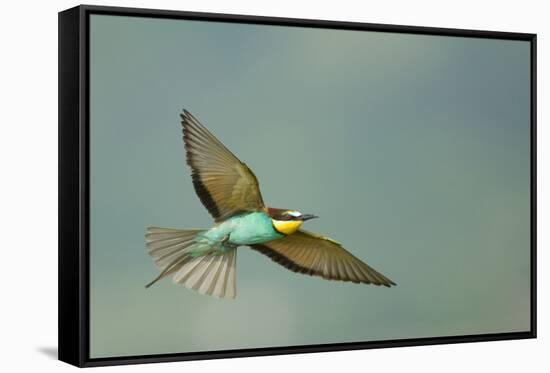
308, 253
224, 184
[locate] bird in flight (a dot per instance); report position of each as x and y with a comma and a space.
205, 259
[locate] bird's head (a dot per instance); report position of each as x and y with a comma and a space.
288, 221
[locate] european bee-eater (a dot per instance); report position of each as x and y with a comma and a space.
204, 259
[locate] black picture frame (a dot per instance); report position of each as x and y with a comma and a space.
74, 184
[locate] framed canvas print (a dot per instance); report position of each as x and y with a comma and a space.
234, 186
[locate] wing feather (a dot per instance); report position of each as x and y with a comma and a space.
224, 184
308, 253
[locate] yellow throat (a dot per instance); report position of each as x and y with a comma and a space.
286, 227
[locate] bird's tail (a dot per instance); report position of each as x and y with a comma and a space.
195, 264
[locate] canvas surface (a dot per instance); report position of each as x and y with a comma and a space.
413, 150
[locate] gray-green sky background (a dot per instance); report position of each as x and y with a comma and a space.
413, 150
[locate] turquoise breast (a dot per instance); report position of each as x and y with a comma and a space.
247, 229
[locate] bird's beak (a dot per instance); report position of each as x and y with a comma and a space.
305, 217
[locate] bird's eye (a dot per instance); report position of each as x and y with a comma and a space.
285, 215
290, 215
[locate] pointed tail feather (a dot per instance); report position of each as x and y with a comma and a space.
174, 252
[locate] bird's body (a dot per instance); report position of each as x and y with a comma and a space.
205, 259
246, 229
241, 230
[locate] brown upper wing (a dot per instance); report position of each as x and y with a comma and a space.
308, 253
224, 184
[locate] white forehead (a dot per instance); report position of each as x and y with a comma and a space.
295, 213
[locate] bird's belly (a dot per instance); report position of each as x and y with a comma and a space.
253, 228
247, 237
